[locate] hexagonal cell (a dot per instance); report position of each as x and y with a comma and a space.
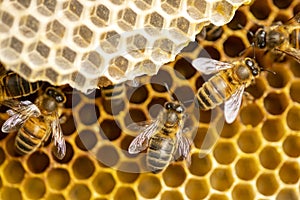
289, 172
58, 178
14, 172
247, 113
11, 48
54, 196
288, 193
82, 36
55, 31
162, 49
143, 4
65, 57
180, 28
83, 167
244, 191
124, 193
149, 186
249, 141
293, 117
110, 129
6, 21
91, 62
174, 176
29, 25
118, 67
273, 130
123, 170
171, 194
221, 12
224, 152
107, 156
153, 23
267, 184
109, 41
146, 67
80, 191
34, 188
136, 45
246, 168
196, 8
8, 193
21, 4
197, 188
51, 74
218, 197
104, 183
221, 179
46, 7
38, 162
38, 53
291, 145
171, 6
200, 166
73, 9
117, 2
100, 15
127, 19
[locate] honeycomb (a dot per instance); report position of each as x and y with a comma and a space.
256, 157
91, 43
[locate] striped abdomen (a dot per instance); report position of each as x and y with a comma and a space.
215, 91
113, 92
32, 135
160, 152
14, 86
295, 38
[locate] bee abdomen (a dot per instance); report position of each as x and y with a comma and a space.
212, 93
295, 38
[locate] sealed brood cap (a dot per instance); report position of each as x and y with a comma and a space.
86, 43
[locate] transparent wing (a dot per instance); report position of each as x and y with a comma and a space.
184, 144
294, 20
140, 143
209, 66
233, 104
59, 149
295, 53
20, 111
139, 126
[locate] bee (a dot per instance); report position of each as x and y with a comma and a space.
14, 86
280, 38
164, 137
227, 85
36, 122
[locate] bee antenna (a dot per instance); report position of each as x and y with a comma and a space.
266, 70
168, 90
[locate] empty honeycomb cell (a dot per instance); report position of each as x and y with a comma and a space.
82, 35
39, 53
83, 167
295, 91
221, 179
267, 184
287, 193
110, 129
127, 19
68, 156
86, 140
80, 192
108, 156
91, 62
51, 74
230, 130
174, 175
114, 107
196, 188
6, 20
155, 106
221, 12
143, 4
12, 47
243, 191
186, 72
68, 126
185, 95
46, 7
171, 194
205, 138
14, 172
291, 146
210, 52
136, 45
247, 113
103, 183
89, 114
293, 117
276, 103
125, 193
233, 46
100, 15
38, 162
218, 197
135, 115
73, 9
34, 188
280, 79
29, 26
289, 172
55, 31
21, 4
58, 178
196, 9
153, 23
180, 27
2, 156
170, 6
249, 141
273, 130
269, 157
65, 57
118, 67
128, 177
260, 10
55, 197
159, 80
26, 71
110, 41
239, 19
224, 152
162, 49
257, 89
200, 166
149, 186
281, 4
246, 168
137, 95
9, 193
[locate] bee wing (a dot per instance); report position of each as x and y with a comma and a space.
20, 112
209, 66
294, 20
184, 144
59, 149
140, 143
233, 104
295, 53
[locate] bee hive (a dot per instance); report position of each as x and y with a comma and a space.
91, 43
256, 157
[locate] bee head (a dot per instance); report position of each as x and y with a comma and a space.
174, 113
247, 70
252, 65
58, 96
260, 38
176, 107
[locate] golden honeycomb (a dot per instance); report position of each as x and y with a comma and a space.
256, 157
79, 42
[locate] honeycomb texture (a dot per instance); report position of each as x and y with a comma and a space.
90, 43
256, 157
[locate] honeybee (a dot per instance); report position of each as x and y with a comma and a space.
36, 122
280, 38
227, 85
164, 137
14, 86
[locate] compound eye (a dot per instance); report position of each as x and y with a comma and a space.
50, 92
179, 109
255, 72
168, 106
59, 98
249, 63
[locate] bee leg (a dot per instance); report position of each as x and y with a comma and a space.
249, 97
